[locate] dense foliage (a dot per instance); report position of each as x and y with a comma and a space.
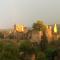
39, 25
24, 49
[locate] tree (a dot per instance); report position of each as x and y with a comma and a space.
26, 50
44, 42
39, 25
25, 45
56, 54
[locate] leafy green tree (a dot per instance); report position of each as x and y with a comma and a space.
49, 53
39, 25
56, 54
26, 50
25, 45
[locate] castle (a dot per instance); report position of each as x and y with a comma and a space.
34, 36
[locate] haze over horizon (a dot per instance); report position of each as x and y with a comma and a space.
27, 11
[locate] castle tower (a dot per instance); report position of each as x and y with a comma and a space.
49, 33
55, 32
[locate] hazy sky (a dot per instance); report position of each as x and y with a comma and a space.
23, 11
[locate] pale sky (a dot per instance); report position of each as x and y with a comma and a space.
27, 11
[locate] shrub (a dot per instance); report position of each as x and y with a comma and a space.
41, 56
8, 52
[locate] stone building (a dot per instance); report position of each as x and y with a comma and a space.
20, 31
36, 36
49, 33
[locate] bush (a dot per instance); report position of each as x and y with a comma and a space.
25, 46
8, 52
41, 56
26, 50
49, 52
